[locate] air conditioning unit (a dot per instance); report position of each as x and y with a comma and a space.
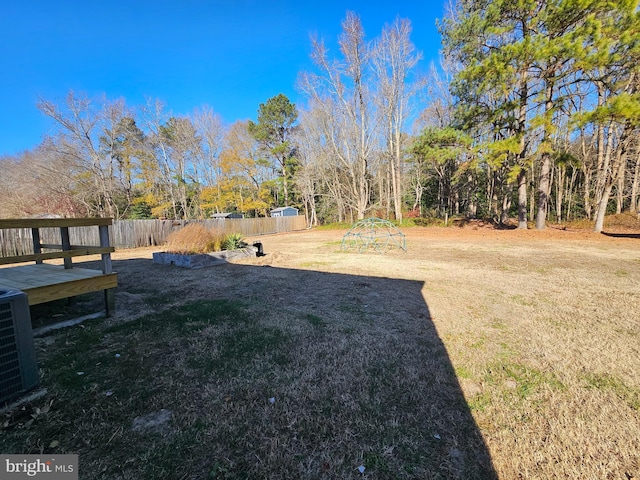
18, 365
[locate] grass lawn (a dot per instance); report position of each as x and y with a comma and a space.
482, 356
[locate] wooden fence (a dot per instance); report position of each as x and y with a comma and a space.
145, 233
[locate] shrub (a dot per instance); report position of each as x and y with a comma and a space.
233, 241
194, 238
422, 222
415, 213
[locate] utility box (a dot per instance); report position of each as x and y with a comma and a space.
18, 365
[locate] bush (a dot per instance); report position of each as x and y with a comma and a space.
233, 241
194, 238
422, 222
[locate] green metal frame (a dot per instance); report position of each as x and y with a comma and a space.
381, 235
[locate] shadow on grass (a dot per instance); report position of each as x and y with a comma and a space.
490, 223
267, 372
622, 235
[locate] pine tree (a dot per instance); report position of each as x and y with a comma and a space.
276, 123
517, 62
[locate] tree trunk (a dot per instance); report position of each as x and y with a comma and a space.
313, 220
285, 190
522, 199
587, 172
545, 163
633, 206
384, 187
522, 122
617, 166
569, 194
418, 189
472, 208
561, 174
543, 191
620, 188
363, 194
506, 205
395, 189
532, 193
604, 174
490, 189
602, 208
604, 154
396, 172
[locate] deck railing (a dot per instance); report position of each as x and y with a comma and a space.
33, 248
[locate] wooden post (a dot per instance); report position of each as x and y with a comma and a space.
66, 245
110, 293
37, 246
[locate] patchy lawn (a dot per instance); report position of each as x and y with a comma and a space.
477, 354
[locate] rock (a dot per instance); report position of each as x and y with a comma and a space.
152, 421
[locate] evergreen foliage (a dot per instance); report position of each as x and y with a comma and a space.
275, 126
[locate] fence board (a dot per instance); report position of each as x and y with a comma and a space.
144, 233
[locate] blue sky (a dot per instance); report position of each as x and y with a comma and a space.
230, 55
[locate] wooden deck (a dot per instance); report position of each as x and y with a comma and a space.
45, 282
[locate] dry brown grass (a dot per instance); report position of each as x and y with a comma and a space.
623, 222
193, 239
477, 354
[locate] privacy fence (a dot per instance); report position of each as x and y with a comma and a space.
145, 233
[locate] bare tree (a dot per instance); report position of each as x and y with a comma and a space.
87, 131
616, 139
41, 182
313, 158
343, 95
172, 144
211, 130
394, 57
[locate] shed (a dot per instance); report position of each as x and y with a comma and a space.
227, 215
284, 212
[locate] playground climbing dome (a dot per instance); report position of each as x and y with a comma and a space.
375, 233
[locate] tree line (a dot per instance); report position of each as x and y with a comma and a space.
533, 114
547, 91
